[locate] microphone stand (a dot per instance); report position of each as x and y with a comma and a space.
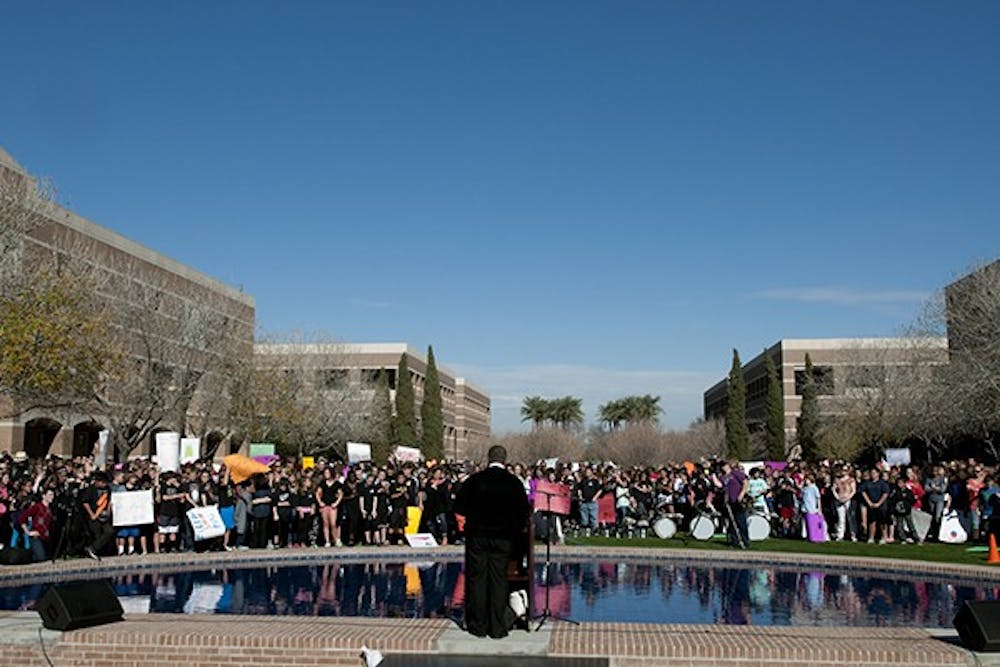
547, 612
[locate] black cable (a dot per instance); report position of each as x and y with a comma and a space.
42, 644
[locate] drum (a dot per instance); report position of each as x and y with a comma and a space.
922, 522
702, 526
758, 527
665, 528
952, 531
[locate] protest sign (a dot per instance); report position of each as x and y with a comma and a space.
308, 462
206, 522
552, 497
132, 508
101, 458
168, 451
358, 451
261, 449
421, 540
898, 457
190, 450
408, 454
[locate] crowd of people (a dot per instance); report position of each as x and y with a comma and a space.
59, 506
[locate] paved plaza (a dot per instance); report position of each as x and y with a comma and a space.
203, 640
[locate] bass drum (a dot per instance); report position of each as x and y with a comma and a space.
702, 527
665, 528
758, 527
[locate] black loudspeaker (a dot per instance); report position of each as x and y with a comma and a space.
978, 624
79, 605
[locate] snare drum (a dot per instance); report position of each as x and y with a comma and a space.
665, 528
758, 527
702, 526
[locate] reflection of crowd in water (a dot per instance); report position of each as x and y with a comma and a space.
587, 591
736, 596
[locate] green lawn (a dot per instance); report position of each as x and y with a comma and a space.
940, 553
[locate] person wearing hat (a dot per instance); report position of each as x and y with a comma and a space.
496, 512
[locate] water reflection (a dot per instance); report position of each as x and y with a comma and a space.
585, 591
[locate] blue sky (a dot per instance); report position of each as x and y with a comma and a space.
595, 199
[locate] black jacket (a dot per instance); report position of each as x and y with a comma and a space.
494, 504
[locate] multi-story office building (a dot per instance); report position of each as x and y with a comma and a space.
182, 297
349, 370
846, 371
121, 270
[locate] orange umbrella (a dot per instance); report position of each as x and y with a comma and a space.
243, 467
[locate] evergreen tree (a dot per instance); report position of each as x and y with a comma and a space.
432, 412
406, 417
808, 426
774, 437
381, 433
737, 433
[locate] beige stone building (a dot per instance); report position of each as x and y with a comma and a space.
350, 370
180, 297
846, 370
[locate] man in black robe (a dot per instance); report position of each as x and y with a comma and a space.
496, 511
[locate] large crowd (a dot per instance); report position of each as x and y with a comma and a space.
62, 507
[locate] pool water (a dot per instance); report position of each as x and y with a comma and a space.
583, 591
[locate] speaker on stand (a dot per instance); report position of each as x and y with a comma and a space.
79, 605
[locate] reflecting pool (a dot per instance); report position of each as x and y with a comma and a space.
584, 591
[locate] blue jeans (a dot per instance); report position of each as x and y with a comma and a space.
588, 515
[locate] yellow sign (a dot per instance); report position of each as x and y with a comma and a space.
308, 462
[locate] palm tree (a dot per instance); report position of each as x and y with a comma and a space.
646, 409
567, 411
536, 410
613, 413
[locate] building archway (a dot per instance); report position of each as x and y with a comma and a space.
85, 436
38, 436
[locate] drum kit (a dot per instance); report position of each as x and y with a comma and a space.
707, 522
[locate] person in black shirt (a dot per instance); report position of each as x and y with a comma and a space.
329, 495
369, 508
172, 504
496, 512
305, 509
97, 505
260, 511
588, 491
398, 494
436, 506
350, 511
282, 512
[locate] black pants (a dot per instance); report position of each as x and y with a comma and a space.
261, 532
101, 533
486, 594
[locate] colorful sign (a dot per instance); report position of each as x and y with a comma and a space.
206, 522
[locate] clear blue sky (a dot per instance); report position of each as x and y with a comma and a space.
582, 198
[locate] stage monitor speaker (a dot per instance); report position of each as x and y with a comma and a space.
79, 605
978, 624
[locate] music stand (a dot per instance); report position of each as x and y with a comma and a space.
550, 499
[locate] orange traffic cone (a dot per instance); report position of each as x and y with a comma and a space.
994, 556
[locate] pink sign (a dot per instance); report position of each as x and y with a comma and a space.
552, 497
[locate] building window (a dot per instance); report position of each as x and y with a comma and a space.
865, 377
822, 376
334, 378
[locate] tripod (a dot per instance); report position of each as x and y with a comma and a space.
549, 514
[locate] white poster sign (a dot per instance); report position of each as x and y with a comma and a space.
410, 454
358, 451
204, 599
421, 540
168, 451
190, 450
101, 457
132, 508
898, 457
206, 522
